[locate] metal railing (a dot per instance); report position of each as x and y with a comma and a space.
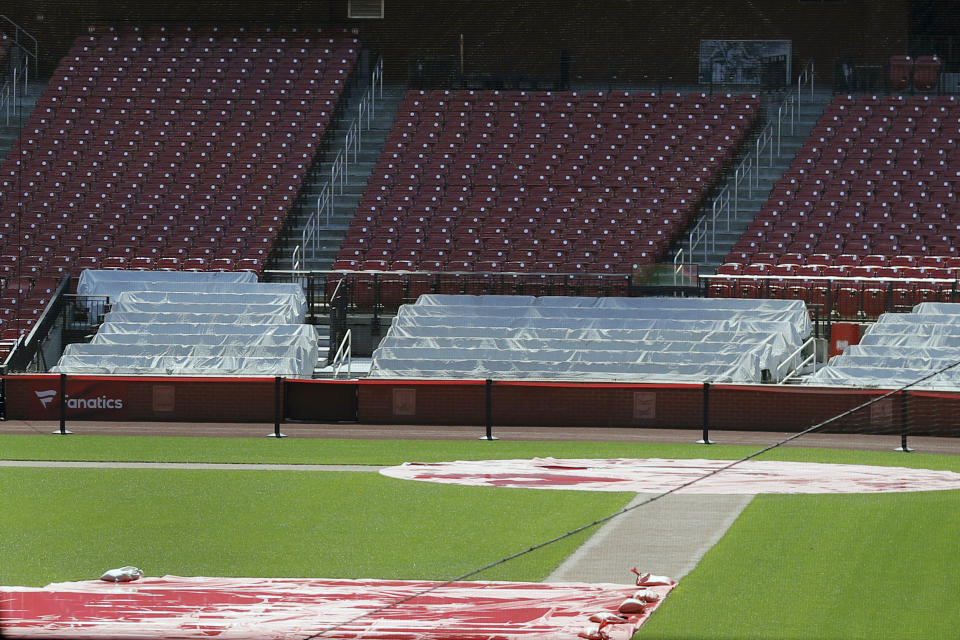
795, 371
339, 176
24, 41
747, 173
11, 90
28, 350
344, 354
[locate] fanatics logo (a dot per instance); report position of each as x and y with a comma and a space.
46, 397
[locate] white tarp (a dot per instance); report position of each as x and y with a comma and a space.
789, 331
211, 328
295, 302
580, 335
114, 282
304, 336
172, 365
883, 377
900, 349
189, 323
301, 354
177, 317
473, 369
794, 311
657, 339
945, 308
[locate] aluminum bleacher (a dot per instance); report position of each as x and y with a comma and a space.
215, 323
612, 339
166, 148
901, 348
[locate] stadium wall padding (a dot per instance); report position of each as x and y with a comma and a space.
666, 406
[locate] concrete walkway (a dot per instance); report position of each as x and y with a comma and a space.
666, 537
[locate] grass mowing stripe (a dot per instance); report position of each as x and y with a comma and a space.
388, 452
74, 524
825, 566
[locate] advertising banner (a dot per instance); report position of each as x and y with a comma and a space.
86, 398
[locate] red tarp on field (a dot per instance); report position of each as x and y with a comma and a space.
293, 608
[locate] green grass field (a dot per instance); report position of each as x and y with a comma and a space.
805, 567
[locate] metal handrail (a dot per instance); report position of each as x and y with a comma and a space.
344, 353
749, 168
798, 351
17, 32
339, 176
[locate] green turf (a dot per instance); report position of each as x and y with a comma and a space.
825, 566
72, 524
389, 452
804, 567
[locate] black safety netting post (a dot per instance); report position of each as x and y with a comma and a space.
488, 392
706, 416
904, 423
277, 408
62, 431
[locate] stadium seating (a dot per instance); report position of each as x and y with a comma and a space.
195, 324
570, 338
871, 194
168, 148
580, 182
898, 349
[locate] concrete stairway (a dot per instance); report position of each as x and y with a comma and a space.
749, 202
358, 174
10, 131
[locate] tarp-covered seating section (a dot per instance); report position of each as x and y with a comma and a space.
597, 339
186, 323
901, 348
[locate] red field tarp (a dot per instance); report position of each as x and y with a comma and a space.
174, 608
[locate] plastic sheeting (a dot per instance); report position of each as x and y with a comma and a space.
790, 332
292, 304
303, 336
195, 324
651, 339
519, 370
586, 336
882, 377
901, 349
211, 328
793, 311
625, 339
114, 282
181, 317
199, 608
189, 365
933, 308
301, 353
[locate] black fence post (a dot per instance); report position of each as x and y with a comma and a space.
904, 425
706, 416
62, 431
488, 389
277, 408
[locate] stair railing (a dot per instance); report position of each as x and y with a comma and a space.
747, 172
339, 174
